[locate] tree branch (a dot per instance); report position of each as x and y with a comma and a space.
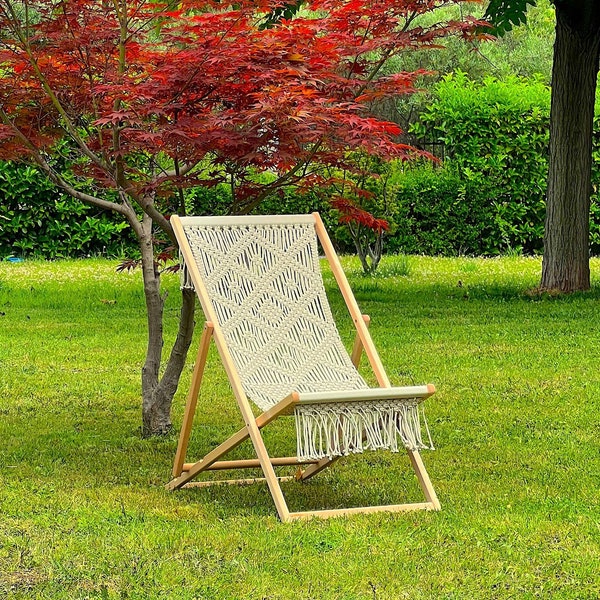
55, 177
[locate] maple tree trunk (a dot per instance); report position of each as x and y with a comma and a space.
565, 265
157, 391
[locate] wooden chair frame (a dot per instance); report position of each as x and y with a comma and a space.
184, 473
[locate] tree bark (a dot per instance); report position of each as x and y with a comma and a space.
153, 421
156, 416
565, 265
157, 391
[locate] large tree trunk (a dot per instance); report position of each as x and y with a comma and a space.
574, 74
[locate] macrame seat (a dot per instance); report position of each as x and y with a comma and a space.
259, 282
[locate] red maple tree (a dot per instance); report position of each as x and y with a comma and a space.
154, 98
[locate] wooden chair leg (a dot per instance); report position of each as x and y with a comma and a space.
305, 474
202, 465
192, 399
253, 430
235, 440
423, 477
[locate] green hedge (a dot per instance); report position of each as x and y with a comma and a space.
486, 198
37, 220
438, 213
495, 135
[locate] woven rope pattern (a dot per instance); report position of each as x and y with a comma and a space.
267, 291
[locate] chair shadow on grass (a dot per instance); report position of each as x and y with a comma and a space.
379, 480
370, 478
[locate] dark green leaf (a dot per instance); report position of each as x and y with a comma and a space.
504, 14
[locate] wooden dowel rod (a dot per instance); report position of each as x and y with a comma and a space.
192, 399
252, 463
235, 440
201, 484
343, 512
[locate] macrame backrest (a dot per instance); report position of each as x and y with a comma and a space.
264, 280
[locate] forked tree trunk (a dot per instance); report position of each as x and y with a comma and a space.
157, 391
575, 69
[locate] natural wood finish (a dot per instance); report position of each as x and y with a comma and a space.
263, 455
424, 481
192, 399
253, 463
368, 394
249, 481
370, 351
212, 221
253, 425
344, 512
357, 348
305, 474
233, 442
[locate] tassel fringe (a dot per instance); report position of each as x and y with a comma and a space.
185, 280
328, 430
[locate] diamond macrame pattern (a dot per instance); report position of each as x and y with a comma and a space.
267, 291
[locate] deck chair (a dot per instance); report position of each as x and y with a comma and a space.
258, 279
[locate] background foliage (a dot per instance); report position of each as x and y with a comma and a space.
485, 198
495, 136
38, 220
488, 121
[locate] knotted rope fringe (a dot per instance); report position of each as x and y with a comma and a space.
339, 429
185, 280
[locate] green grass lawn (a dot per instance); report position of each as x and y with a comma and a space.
516, 422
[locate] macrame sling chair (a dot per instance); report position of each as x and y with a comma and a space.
258, 279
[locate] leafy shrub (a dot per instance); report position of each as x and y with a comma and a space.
37, 220
496, 139
440, 213
207, 201
487, 198
595, 198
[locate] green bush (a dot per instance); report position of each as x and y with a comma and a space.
595, 198
496, 138
205, 201
438, 213
37, 220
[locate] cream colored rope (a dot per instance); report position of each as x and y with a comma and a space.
266, 288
